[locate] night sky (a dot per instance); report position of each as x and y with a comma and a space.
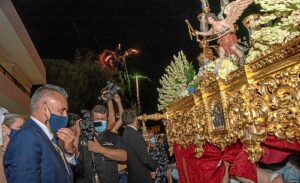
156, 27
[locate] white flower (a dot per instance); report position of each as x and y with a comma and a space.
221, 67
252, 55
226, 67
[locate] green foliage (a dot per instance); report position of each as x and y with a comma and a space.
189, 73
68, 76
82, 80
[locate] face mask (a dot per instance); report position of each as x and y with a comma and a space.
174, 174
100, 126
12, 133
57, 122
153, 140
290, 173
233, 181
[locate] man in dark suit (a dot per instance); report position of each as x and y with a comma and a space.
141, 168
33, 155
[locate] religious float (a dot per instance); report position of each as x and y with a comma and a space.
246, 108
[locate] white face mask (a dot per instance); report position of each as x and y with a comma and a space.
153, 140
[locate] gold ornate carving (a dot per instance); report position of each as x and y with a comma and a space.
188, 128
254, 136
277, 54
182, 104
282, 104
237, 111
261, 99
207, 52
155, 116
216, 122
274, 109
207, 79
237, 75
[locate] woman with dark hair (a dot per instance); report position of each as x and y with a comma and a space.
159, 155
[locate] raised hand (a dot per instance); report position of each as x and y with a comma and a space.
117, 98
67, 136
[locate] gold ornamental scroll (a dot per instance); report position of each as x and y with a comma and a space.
259, 99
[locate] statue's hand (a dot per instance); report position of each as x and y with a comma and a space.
232, 28
220, 16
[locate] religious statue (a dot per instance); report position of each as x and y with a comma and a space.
217, 117
223, 4
224, 30
203, 22
249, 23
207, 53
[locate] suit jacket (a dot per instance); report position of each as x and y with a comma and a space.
31, 158
139, 162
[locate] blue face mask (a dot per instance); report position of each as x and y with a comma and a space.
12, 133
290, 173
174, 174
100, 126
153, 140
57, 122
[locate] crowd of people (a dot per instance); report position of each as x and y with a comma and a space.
55, 146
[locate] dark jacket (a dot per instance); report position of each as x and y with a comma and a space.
139, 163
106, 168
31, 157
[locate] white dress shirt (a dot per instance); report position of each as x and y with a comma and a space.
50, 135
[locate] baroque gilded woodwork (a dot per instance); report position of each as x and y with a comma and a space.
259, 99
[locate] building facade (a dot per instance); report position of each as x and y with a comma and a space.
20, 65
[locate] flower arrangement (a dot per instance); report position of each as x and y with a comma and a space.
277, 6
179, 80
286, 19
220, 67
225, 66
